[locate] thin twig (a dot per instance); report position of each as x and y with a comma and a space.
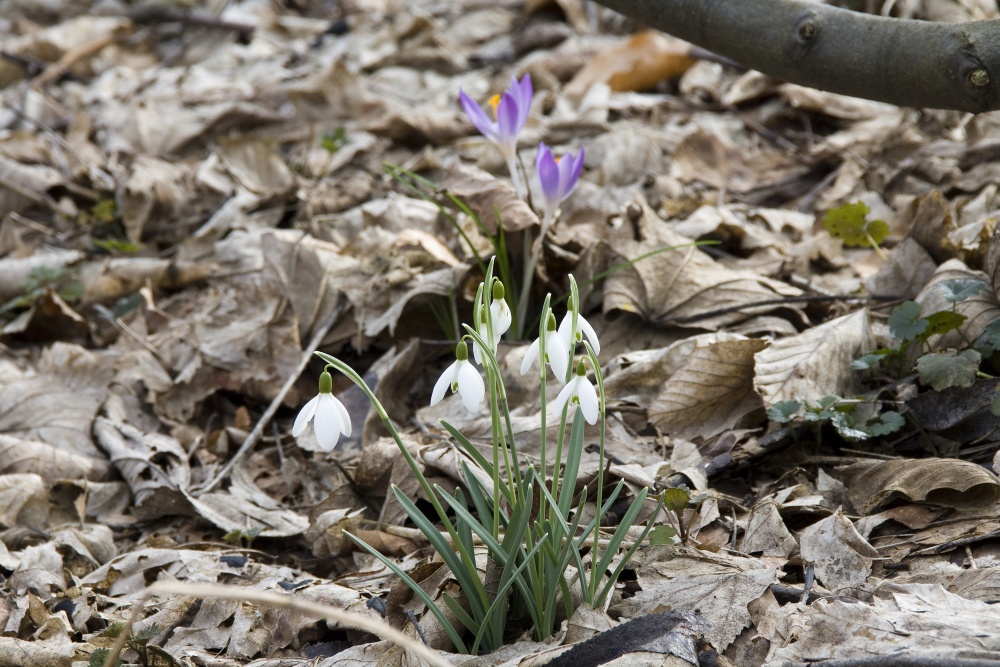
258, 429
294, 603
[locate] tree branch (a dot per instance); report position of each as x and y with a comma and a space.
900, 61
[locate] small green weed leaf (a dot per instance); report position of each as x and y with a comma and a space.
662, 535
783, 411
847, 429
942, 322
949, 369
905, 322
848, 223
956, 291
888, 422
869, 360
992, 333
116, 246
676, 499
334, 141
99, 657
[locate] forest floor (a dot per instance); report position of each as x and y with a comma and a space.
795, 294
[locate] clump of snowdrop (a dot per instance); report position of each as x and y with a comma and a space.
522, 511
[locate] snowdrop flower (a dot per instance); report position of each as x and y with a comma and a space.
500, 311
582, 393
556, 351
557, 176
511, 112
463, 378
582, 328
501, 316
328, 416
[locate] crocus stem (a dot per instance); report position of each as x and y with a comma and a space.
515, 177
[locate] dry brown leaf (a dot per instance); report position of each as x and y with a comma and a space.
919, 620
711, 390
672, 286
717, 586
948, 482
25, 185
766, 532
15, 272
49, 318
153, 186
486, 194
24, 501
637, 63
843, 559
815, 363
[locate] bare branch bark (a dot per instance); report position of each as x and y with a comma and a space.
900, 61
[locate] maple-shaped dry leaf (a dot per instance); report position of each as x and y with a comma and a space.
814, 363
948, 482
635, 64
842, 557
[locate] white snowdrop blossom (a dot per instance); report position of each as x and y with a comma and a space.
583, 328
463, 378
556, 352
500, 311
580, 391
328, 416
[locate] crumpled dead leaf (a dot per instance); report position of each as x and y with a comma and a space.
948, 482
815, 363
843, 559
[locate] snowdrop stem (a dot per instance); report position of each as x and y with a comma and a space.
595, 576
543, 332
424, 484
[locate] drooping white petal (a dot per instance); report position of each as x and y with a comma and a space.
446, 380
326, 423
529, 357
502, 317
564, 395
564, 330
471, 387
305, 416
587, 396
345, 417
588, 331
557, 353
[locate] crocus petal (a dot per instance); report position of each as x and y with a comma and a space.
326, 423
564, 395
524, 93
588, 399
569, 173
548, 177
558, 354
305, 416
443, 382
507, 127
588, 331
529, 357
470, 386
477, 116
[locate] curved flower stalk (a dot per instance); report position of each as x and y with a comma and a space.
511, 113
463, 379
326, 414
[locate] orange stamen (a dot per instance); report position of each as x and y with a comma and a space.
494, 102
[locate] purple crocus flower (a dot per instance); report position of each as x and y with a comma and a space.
511, 112
557, 176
